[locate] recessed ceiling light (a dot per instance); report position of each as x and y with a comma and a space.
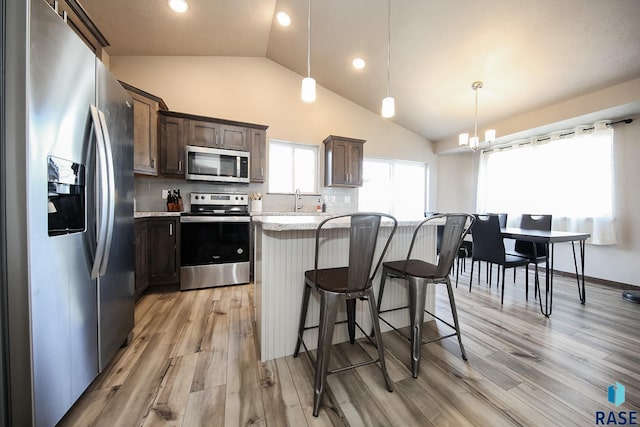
283, 19
179, 6
359, 63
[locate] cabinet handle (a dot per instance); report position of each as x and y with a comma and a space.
153, 163
170, 229
179, 165
262, 172
218, 142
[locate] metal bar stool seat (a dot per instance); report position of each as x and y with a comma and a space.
347, 284
412, 267
419, 273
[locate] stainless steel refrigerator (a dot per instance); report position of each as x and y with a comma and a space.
78, 234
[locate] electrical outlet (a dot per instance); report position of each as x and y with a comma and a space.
165, 193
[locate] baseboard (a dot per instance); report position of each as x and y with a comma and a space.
597, 280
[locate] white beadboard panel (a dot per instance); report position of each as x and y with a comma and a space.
281, 257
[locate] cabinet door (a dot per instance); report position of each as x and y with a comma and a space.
203, 134
172, 142
141, 230
233, 138
354, 176
341, 163
258, 154
145, 141
164, 262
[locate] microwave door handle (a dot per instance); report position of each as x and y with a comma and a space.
238, 170
102, 183
111, 190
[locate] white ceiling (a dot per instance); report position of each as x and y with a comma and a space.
529, 53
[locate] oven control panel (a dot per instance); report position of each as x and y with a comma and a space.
219, 199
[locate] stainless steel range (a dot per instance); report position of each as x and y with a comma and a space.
215, 241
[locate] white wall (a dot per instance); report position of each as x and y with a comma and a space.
456, 183
257, 90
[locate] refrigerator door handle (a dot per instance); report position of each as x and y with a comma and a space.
111, 190
103, 196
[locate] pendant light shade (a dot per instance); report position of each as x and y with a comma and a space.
388, 107
308, 83
308, 89
179, 6
474, 143
490, 135
388, 103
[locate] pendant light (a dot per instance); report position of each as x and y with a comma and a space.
388, 103
308, 83
179, 6
489, 135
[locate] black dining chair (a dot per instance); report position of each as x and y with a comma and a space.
419, 274
489, 246
526, 249
502, 219
348, 283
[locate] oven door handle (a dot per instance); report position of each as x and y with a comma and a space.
202, 219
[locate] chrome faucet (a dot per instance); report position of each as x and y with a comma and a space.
297, 201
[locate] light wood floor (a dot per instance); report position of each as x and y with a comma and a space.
193, 362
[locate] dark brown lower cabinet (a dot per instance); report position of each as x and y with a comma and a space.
141, 230
157, 252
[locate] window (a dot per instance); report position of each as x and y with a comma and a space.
395, 187
570, 178
292, 166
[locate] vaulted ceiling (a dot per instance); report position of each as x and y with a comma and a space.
528, 53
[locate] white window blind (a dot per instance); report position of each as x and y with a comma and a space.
395, 187
292, 166
570, 178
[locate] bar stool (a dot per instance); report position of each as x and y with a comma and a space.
344, 284
419, 273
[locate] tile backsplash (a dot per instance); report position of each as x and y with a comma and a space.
148, 193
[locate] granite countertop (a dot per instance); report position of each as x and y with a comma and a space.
310, 222
154, 214
280, 213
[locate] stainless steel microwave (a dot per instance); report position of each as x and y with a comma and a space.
217, 165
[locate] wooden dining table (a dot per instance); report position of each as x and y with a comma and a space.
549, 238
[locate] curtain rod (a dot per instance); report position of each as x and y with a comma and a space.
562, 135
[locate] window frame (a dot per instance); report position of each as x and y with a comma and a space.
392, 175
316, 150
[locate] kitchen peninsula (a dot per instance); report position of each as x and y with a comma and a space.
284, 249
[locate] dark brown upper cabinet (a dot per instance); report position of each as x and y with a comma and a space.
343, 161
145, 130
203, 134
173, 139
258, 149
180, 129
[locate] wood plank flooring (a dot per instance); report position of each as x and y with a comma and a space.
193, 362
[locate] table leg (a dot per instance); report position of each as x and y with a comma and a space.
548, 280
580, 275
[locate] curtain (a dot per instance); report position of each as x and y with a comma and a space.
570, 177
